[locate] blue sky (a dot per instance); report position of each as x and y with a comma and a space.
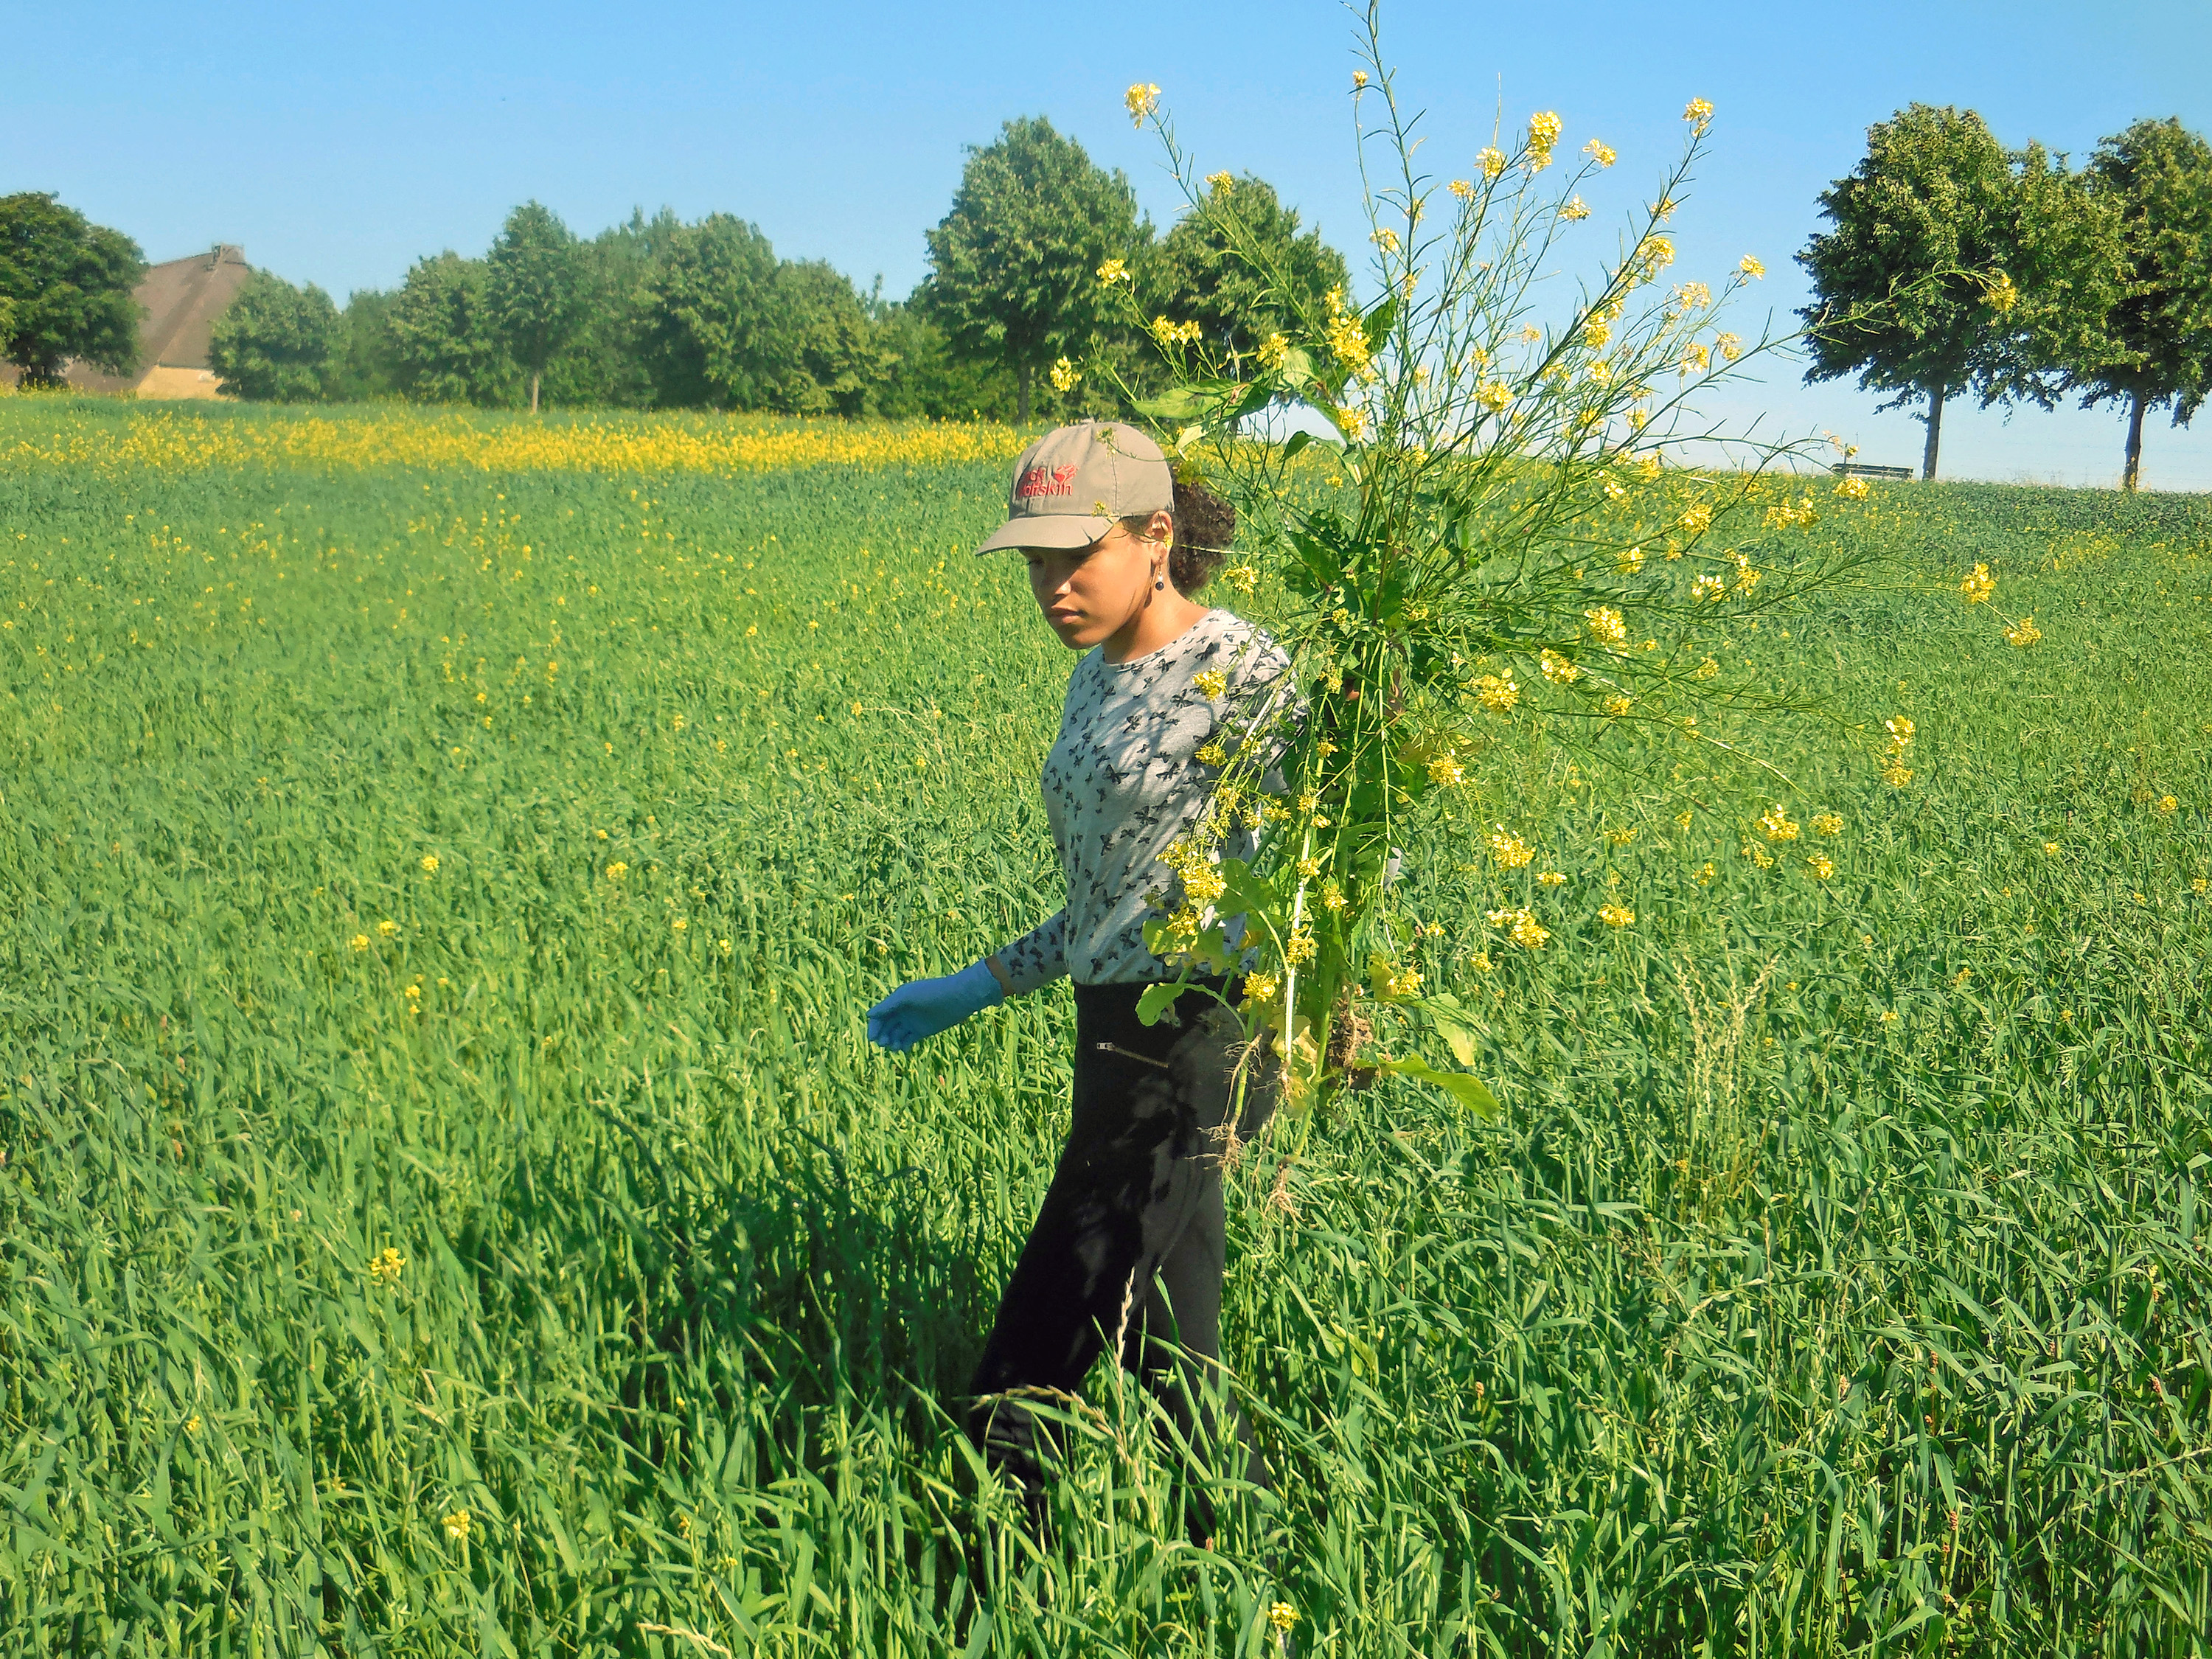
339, 145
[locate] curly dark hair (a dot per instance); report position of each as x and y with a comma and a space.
1204, 528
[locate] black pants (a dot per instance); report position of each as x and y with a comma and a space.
1128, 1245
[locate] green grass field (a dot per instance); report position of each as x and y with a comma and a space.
490, 867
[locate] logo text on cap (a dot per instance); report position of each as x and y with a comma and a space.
1046, 480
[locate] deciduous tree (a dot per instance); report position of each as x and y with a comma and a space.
1954, 266
276, 343
445, 347
1014, 265
534, 288
2153, 347
1240, 267
66, 283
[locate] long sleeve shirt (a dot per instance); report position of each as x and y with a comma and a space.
1123, 781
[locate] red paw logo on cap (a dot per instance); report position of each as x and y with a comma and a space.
1046, 480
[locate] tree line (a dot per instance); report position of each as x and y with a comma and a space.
656, 312
1954, 266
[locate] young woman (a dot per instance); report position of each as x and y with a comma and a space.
1127, 1248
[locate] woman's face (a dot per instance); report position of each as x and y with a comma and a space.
1090, 593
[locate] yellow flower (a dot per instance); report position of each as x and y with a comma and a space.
1242, 577
1708, 587
1460, 188
1896, 774
2001, 293
1214, 755
1607, 625
1630, 561
387, 928
1575, 209
1730, 346
1065, 375
1889, 1016
1556, 668
1698, 112
1828, 823
1384, 238
1491, 160
1115, 270
1616, 915
1776, 824
456, 1526
1273, 350
1494, 395
1978, 585
1543, 134
359, 942
1853, 490
1523, 929
386, 1264
1212, 681
2167, 804
1358, 79
1693, 297
617, 870
2051, 849
1697, 517
1332, 897
1282, 1615
1223, 182
1446, 769
430, 864
1820, 865
1706, 873
1750, 266
1617, 706
2023, 633
1653, 255
1300, 948
1621, 837
1261, 988
1497, 696
1353, 421
1551, 878
1599, 152
1140, 100
1402, 982
1508, 850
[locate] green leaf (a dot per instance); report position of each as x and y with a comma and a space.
1471, 1091
1298, 440
1448, 1019
1179, 404
1156, 1000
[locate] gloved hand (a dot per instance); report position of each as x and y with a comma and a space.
923, 1007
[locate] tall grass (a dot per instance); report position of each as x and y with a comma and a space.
1762, 1322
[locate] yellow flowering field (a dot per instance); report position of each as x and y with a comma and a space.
449, 1205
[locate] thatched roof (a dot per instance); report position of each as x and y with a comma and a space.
181, 299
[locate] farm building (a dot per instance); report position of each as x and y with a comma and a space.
181, 299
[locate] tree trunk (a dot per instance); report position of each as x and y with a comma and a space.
533, 393
1021, 395
2133, 469
1936, 394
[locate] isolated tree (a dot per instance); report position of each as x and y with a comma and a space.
66, 283
534, 288
2153, 347
1014, 265
1240, 267
276, 343
444, 346
1953, 266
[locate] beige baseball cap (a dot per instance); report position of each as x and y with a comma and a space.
1071, 486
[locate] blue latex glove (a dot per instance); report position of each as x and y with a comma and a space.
923, 1007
